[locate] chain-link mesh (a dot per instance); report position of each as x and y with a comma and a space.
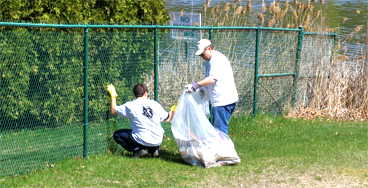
276, 57
120, 57
41, 97
239, 47
43, 89
316, 59
178, 64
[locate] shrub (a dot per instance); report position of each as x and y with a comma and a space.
42, 68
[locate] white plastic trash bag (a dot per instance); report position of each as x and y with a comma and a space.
199, 142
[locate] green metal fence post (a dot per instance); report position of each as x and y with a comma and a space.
210, 106
256, 76
333, 48
297, 63
210, 34
186, 50
155, 62
85, 91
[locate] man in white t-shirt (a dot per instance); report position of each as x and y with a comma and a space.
145, 115
219, 83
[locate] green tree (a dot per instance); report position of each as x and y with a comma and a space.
42, 68
81, 11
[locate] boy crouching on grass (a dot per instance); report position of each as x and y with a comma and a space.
145, 115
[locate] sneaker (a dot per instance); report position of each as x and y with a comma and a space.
155, 153
140, 153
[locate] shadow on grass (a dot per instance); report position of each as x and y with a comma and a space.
165, 155
171, 157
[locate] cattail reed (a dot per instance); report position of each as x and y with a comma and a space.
334, 84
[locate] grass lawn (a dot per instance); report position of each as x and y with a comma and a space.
275, 152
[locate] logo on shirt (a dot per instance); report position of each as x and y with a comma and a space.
147, 111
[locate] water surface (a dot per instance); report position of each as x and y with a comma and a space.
346, 16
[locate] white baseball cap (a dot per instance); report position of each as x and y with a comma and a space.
202, 45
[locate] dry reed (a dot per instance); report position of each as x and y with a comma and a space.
336, 84
276, 14
338, 88
339, 91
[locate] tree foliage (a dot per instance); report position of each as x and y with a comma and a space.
42, 69
84, 12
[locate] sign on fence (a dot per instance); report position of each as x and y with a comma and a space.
185, 19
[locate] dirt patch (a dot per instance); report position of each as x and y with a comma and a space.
283, 178
336, 114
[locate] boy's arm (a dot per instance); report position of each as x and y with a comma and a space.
113, 95
113, 106
171, 114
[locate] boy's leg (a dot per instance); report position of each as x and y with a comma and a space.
125, 139
154, 151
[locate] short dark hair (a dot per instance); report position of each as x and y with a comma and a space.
139, 90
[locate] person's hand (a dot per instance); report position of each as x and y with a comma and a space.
112, 91
192, 87
189, 88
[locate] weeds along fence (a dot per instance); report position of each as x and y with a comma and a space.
54, 106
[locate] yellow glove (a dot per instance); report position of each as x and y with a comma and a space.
112, 91
173, 108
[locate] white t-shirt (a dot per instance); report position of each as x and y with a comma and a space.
145, 116
223, 92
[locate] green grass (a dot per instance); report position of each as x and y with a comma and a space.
268, 146
27, 149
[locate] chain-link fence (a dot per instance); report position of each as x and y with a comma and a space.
53, 101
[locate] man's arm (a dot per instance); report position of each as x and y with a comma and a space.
196, 85
207, 81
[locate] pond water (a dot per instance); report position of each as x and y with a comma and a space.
336, 10
344, 15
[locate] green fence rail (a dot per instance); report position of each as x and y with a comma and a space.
53, 104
